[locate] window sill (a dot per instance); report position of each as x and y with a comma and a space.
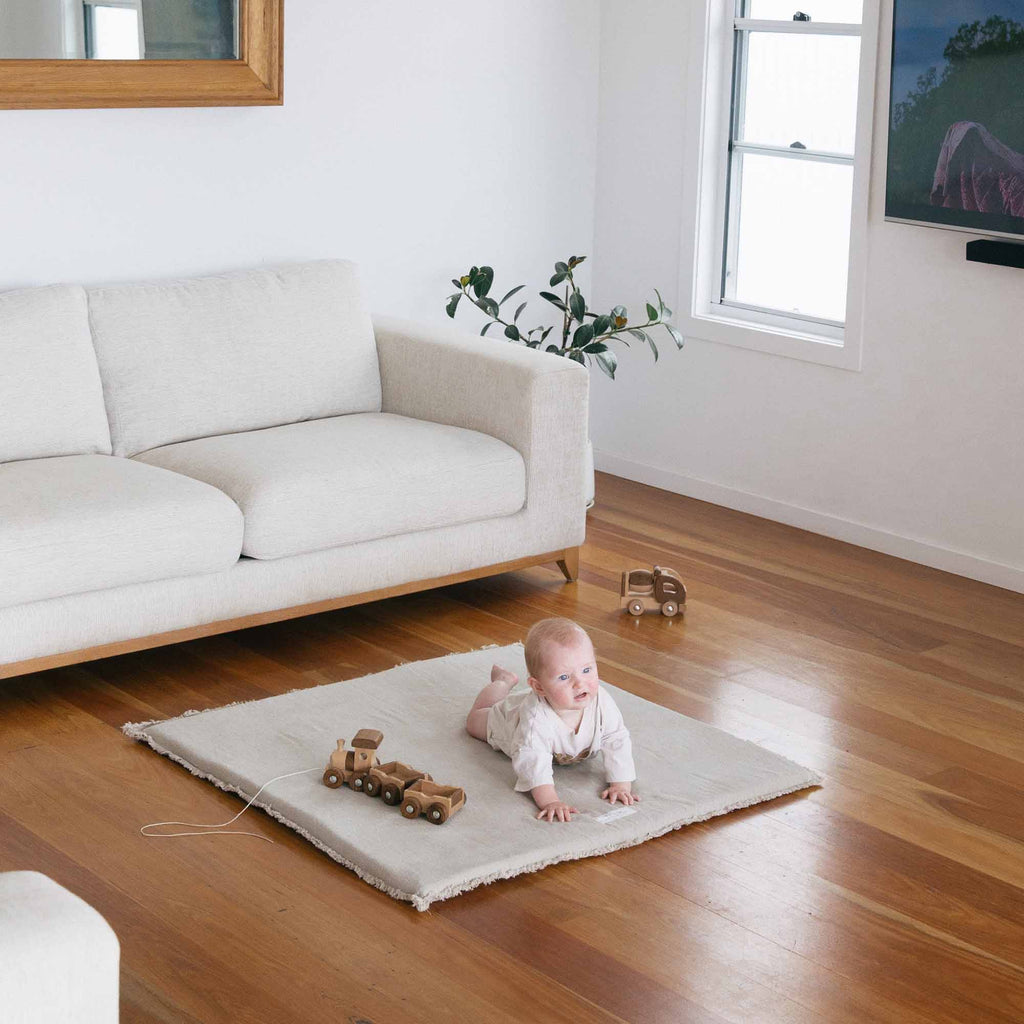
725, 329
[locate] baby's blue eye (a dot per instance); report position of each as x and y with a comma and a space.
563, 676
587, 669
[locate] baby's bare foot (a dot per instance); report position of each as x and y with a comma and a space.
499, 674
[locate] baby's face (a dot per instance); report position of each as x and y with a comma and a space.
568, 678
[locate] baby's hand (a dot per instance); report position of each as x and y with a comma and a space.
557, 810
619, 791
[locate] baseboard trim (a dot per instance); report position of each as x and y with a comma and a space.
961, 564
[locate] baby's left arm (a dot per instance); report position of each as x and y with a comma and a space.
618, 756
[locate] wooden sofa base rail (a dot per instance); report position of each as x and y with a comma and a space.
568, 561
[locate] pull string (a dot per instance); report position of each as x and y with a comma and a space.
219, 825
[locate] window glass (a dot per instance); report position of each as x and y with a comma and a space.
793, 235
819, 10
114, 33
801, 88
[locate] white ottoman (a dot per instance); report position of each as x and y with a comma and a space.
58, 958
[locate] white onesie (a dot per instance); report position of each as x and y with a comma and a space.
524, 727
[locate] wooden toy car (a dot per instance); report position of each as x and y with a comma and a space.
643, 590
353, 766
438, 803
391, 780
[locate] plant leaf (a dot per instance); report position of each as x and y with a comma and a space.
487, 327
482, 283
578, 357
602, 324
562, 268
547, 331
508, 295
596, 346
557, 278
453, 303
654, 348
577, 305
553, 348
652, 313
607, 362
554, 300
518, 311
489, 306
637, 333
676, 335
512, 332
575, 261
583, 335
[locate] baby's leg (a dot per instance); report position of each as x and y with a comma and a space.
496, 690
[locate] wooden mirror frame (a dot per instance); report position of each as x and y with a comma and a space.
255, 78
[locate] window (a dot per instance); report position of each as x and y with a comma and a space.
113, 30
781, 166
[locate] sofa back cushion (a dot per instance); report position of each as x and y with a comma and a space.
51, 401
240, 351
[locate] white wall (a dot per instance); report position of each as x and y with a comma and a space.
416, 138
920, 454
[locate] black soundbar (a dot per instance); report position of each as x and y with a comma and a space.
1002, 254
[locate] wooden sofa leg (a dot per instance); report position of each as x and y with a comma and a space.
569, 563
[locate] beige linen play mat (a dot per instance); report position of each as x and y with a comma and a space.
687, 771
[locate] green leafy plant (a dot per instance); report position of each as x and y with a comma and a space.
585, 334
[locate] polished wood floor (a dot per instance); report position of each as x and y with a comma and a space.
892, 893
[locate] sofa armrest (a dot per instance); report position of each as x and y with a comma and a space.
533, 401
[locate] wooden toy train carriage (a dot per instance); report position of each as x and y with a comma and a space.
438, 803
660, 589
395, 782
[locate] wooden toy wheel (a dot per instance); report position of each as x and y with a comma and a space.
358, 781
635, 607
371, 787
410, 809
437, 814
669, 608
391, 794
332, 778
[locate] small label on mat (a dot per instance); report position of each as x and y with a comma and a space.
618, 812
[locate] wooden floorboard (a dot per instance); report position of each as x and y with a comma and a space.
893, 893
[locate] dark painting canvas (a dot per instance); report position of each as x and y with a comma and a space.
956, 116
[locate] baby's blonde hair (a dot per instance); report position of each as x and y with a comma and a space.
546, 632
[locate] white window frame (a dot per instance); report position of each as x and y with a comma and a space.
702, 314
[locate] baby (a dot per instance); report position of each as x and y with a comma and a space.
565, 716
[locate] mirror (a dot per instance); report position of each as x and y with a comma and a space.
136, 53
118, 30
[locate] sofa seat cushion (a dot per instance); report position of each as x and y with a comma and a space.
88, 522
324, 483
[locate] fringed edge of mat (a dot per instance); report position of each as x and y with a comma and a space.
601, 851
422, 901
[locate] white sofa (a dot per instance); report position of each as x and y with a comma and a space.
184, 457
